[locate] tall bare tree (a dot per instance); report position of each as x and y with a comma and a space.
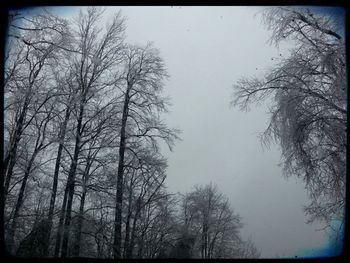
40, 143
142, 86
308, 115
99, 54
28, 54
29, 94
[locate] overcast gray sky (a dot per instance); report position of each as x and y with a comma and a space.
207, 49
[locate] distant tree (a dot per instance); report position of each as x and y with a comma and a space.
247, 249
308, 115
207, 215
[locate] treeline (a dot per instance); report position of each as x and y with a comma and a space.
83, 172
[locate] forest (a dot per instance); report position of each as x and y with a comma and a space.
84, 175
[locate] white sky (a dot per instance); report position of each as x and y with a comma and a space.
207, 49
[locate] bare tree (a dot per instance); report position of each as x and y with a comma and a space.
247, 249
308, 117
207, 216
93, 95
30, 100
28, 55
142, 85
40, 143
75, 94
96, 144
151, 203
99, 55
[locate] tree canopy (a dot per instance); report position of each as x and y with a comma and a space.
308, 111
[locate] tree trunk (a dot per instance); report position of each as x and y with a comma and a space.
19, 203
127, 235
205, 240
55, 179
119, 195
10, 160
71, 180
212, 245
141, 243
129, 253
60, 224
76, 250
127, 224
99, 251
